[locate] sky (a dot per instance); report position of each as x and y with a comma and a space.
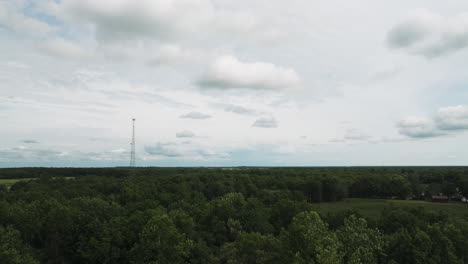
233, 83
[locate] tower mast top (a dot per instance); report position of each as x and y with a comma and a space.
132, 152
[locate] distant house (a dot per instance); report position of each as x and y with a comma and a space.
440, 199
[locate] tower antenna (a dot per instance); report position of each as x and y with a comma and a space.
132, 152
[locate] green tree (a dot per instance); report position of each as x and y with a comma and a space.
405, 247
161, 242
252, 248
360, 243
309, 241
443, 249
12, 248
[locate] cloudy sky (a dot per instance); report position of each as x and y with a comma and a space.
228, 83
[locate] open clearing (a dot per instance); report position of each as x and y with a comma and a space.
10, 182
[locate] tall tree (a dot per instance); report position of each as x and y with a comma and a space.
308, 240
161, 242
12, 248
360, 243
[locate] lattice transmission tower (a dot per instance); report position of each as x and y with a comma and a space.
132, 152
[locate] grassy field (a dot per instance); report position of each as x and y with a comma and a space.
10, 182
373, 207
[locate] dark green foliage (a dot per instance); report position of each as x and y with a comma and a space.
308, 240
360, 243
12, 248
234, 215
161, 242
253, 248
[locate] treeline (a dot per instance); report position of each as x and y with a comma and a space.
223, 216
316, 184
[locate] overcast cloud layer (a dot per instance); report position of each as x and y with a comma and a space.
228, 83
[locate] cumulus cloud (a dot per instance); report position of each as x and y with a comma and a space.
163, 149
161, 19
446, 120
227, 72
266, 122
195, 115
239, 110
12, 17
63, 49
452, 118
185, 134
415, 127
182, 150
429, 34
171, 54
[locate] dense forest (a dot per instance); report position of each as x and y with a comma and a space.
229, 215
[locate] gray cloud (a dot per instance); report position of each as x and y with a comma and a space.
185, 134
168, 19
163, 149
171, 54
7, 155
266, 122
429, 34
195, 115
407, 33
353, 134
227, 72
28, 154
63, 49
208, 153
239, 110
29, 141
418, 128
446, 120
181, 150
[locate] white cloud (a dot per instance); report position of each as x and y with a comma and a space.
185, 134
64, 102
266, 122
182, 150
12, 17
63, 49
163, 149
429, 34
119, 150
452, 118
354, 134
195, 115
239, 110
415, 127
171, 54
228, 72
160, 19
27, 155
